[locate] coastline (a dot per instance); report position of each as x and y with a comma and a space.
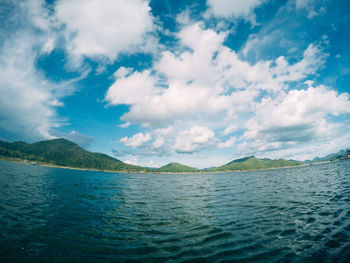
150, 172
62, 167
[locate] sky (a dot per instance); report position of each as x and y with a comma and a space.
195, 82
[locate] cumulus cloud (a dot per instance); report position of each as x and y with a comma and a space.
122, 72
28, 100
191, 77
137, 140
153, 103
104, 29
194, 139
208, 79
228, 143
296, 117
132, 89
313, 59
161, 136
230, 129
203, 79
155, 143
25, 97
230, 9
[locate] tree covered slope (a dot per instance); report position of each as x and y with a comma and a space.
252, 163
64, 153
177, 168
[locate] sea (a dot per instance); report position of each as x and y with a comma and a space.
299, 214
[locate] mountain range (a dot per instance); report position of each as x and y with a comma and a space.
61, 152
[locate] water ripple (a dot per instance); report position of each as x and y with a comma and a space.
288, 215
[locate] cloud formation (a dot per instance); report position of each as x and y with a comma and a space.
229, 143
194, 139
137, 140
293, 118
28, 99
234, 9
104, 29
27, 103
209, 79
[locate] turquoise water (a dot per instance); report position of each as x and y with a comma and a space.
287, 215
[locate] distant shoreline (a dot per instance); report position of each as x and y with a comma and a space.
150, 172
60, 166
62, 153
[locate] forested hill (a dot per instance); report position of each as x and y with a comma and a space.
177, 168
342, 154
63, 153
252, 163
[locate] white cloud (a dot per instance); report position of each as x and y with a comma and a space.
104, 29
56, 103
209, 82
194, 139
122, 72
228, 143
312, 14
48, 46
161, 136
196, 65
137, 140
230, 129
295, 118
184, 17
300, 4
125, 125
313, 59
133, 89
310, 6
28, 99
197, 83
234, 8
39, 17
159, 142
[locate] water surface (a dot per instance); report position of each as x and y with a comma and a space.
286, 215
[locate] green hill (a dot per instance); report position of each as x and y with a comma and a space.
63, 153
177, 168
342, 154
252, 163
66, 153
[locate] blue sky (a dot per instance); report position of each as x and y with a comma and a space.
197, 82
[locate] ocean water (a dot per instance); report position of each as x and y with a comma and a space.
285, 215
